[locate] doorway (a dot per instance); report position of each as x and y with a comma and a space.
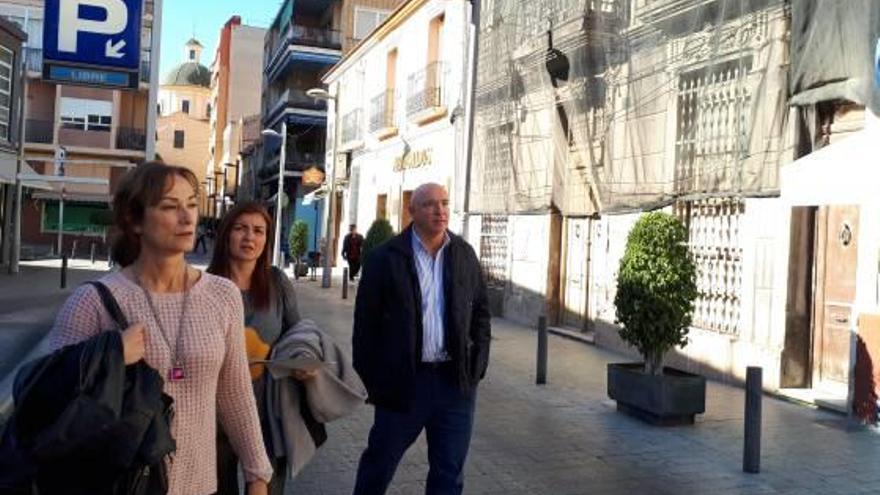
837, 229
405, 217
575, 283
823, 259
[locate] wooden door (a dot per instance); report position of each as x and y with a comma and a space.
382, 206
836, 259
405, 217
574, 311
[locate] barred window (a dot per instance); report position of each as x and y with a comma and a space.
498, 160
714, 241
713, 124
7, 62
493, 250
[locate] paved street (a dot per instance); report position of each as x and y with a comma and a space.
567, 438
562, 438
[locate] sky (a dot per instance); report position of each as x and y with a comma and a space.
202, 19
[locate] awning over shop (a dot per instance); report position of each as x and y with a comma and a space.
8, 166
74, 197
844, 173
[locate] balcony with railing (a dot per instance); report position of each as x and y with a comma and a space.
39, 131
352, 128
129, 138
382, 118
294, 161
304, 44
304, 106
424, 102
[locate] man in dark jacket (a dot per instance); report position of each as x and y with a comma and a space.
352, 247
421, 346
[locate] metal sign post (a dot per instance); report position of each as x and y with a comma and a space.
60, 156
93, 42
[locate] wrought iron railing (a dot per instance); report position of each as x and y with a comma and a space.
302, 35
129, 138
325, 38
382, 111
425, 89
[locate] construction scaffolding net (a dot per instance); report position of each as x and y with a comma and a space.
595, 106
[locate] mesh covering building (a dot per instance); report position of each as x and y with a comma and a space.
589, 112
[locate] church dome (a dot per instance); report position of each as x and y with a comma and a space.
191, 72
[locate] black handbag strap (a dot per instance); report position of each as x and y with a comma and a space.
110, 304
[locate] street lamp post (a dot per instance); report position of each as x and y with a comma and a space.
276, 252
322, 94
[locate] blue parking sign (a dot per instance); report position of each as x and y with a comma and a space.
99, 34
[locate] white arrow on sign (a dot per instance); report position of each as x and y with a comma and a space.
70, 24
111, 50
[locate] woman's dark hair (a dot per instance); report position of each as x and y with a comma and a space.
139, 189
262, 287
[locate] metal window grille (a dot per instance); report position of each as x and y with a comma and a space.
499, 157
425, 88
7, 62
382, 111
715, 244
713, 123
493, 250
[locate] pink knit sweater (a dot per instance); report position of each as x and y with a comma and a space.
214, 361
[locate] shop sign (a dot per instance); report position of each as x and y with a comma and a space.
414, 159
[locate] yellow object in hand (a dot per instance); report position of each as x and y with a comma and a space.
256, 350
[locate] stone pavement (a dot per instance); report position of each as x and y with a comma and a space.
567, 438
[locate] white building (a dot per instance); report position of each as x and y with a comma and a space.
401, 95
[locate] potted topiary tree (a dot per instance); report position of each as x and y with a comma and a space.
380, 232
298, 240
656, 288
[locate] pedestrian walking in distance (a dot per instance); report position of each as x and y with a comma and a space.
186, 324
421, 345
270, 309
352, 249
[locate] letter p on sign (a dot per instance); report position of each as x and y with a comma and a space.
70, 23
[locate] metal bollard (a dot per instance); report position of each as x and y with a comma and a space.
73, 249
92, 248
752, 443
345, 283
541, 373
63, 271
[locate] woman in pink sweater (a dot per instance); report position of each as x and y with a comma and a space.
186, 324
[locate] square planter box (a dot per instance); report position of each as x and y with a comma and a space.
670, 399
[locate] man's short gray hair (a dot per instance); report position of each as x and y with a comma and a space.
421, 191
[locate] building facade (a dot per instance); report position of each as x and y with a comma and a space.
11, 69
398, 110
304, 41
102, 131
235, 95
183, 123
590, 112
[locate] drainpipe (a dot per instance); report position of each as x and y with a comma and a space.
470, 97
